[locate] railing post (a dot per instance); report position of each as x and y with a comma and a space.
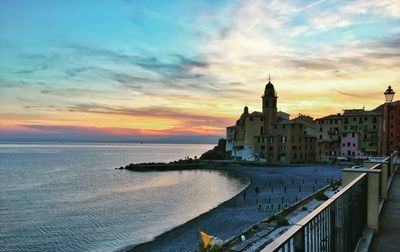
373, 186
348, 176
333, 226
299, 241
373, 201
384, 179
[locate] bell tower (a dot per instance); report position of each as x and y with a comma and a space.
269, 109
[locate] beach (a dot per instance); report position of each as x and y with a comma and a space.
276, 185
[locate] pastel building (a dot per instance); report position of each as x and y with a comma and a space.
329, 129
349, 145
366, 126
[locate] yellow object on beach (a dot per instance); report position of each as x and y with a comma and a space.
205, 238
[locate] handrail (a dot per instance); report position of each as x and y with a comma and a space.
277, 243
324, 218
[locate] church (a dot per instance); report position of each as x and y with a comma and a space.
270, 135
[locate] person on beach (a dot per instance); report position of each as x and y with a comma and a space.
396, 161
257, 191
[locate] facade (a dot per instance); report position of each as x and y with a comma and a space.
270, 136
329, 130
366, 127
391, 128
349, 145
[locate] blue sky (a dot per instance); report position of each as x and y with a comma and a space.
188, 67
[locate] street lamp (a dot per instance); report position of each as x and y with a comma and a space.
389, 93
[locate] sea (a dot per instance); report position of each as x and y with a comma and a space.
70, 197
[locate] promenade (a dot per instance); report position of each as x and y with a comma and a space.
388, 238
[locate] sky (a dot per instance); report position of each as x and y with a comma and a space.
131, 68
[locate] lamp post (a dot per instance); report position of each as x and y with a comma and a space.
389, 93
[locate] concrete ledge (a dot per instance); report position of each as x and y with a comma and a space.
362, 170
365, 240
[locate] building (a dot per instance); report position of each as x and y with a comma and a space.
271, 136
362, 132
329, 130
391, 128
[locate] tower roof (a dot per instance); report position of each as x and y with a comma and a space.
269, 88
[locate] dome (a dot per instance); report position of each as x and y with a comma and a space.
269, 89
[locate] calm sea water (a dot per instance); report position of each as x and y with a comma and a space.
69, 197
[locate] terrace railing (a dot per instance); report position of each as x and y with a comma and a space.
338, 223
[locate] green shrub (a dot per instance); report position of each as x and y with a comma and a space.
321, 196
213, 248
280, 221
336, 183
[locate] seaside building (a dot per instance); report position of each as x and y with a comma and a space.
391, 128
362, 132
329, 130
271, 136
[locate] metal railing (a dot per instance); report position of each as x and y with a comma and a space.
336, 225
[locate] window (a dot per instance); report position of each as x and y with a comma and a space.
261, 130
348, 143
320, 129
283, 139
251, 119
353, 135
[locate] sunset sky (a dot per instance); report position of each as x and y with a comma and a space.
132, 68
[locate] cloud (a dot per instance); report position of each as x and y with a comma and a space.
387, 8
326, 21
71, 72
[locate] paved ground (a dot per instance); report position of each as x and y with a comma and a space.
388, 238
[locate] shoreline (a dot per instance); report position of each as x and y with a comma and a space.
236, 214
144, 246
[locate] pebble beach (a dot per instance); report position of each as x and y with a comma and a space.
286, 184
